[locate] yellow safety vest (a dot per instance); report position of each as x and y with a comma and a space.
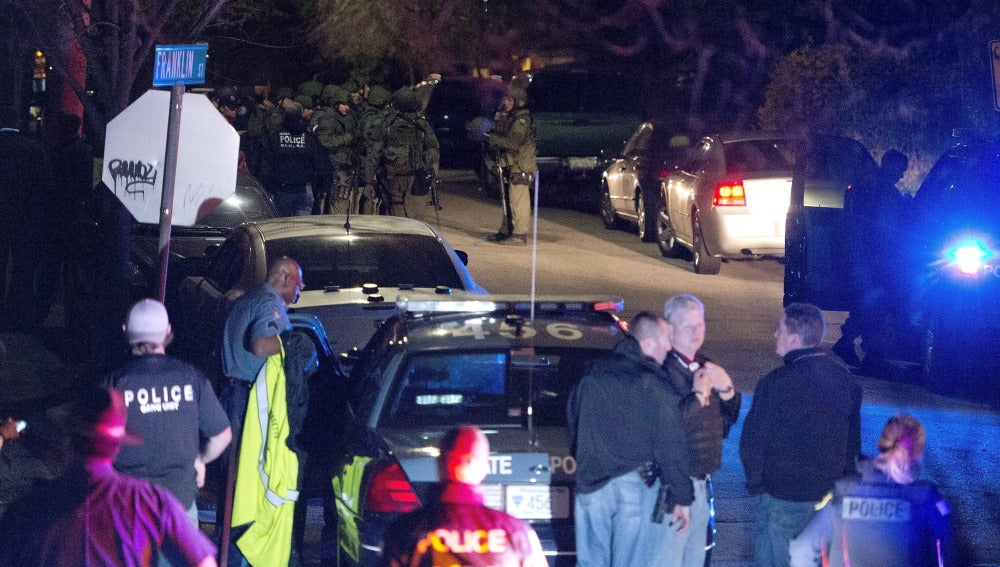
267, 473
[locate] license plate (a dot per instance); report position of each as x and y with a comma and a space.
532, 502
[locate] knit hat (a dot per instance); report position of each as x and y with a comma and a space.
147, 323
98, 416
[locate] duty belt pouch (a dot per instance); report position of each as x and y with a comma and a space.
649, 471
521, 178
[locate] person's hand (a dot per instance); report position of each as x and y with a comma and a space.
199, 471
9, 429
718, 376
702, 386
681, 517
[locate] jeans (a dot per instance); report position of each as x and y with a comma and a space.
778, 522
612, 523
687, 548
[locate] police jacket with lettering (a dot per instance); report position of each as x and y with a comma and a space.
803, 431
294, 158
873, 521
460, 530
622, 415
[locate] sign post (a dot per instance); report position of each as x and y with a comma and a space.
152, 158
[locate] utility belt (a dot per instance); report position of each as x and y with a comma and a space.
520, 178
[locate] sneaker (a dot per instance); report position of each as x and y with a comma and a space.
498, 237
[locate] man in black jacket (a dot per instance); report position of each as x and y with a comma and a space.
621, 417
710, 405
802, 433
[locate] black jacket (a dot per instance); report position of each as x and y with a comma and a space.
803, 431
704, 427
621, 416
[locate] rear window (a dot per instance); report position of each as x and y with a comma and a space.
385, 259
247, 206
759, 155
486, 388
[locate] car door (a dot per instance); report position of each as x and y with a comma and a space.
204, 297
683, 187
817, 260
622, 176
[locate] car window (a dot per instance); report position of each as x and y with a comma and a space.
963, 183
383, 259
486, 389
227, 266
239, 208
758, 155
639, 141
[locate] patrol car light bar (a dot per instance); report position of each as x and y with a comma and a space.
495, 303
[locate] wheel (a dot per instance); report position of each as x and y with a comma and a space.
665, 239
646, 222
608, 215
703, 262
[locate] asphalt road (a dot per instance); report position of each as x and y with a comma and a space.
576, 254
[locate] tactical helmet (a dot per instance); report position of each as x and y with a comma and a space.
304, 100
311, 88
333, 94
517, 94
378, 96
285, 92
405, 100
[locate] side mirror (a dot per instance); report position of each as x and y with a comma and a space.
463, 256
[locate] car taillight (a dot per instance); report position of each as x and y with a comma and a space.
392, 492
729, 194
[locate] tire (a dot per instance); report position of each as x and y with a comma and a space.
608, 216
703, 262
665, 235
645, 220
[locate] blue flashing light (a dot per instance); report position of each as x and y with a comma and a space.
969, 257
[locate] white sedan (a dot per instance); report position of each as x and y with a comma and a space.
729, 200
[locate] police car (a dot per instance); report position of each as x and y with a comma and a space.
506, 365
949, 246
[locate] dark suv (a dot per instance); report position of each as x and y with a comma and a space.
948, 250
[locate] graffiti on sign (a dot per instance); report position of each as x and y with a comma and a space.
132, 178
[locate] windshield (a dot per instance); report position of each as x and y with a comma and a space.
759, 155
389, 260
237, 209
488, 388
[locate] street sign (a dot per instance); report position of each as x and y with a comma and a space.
995, 60
184, 64
135, 157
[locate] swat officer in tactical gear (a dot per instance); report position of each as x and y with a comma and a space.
409, 149
373, 120
513, 138
337, 130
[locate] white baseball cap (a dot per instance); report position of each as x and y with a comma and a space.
147, 322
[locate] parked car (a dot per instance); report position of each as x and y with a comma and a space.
352, 275
949, 275
728, 200
457, 109
504, 364
191, 247
631, 184
582, 117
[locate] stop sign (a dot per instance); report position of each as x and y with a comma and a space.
135, 149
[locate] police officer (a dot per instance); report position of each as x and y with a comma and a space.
459, 529
373, 120
409, 149
336, 129
294, 163
513, 138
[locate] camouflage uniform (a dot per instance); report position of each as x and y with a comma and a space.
399, 171
337, 130
513, 137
